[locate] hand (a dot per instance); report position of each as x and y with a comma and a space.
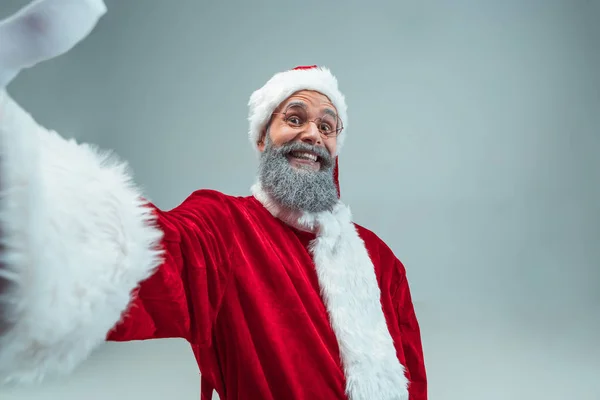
42, 30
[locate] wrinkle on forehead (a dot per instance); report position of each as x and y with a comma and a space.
314, 98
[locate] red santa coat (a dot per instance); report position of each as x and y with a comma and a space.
242, 287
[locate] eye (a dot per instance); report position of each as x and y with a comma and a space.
294, 120
328, 124
295, 116
325, 127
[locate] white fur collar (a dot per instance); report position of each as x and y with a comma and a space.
352, 297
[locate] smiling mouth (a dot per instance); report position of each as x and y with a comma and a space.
304, 159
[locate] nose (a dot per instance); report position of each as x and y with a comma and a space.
311, 135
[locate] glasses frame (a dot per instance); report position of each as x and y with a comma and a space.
316, 121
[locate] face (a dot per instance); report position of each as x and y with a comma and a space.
297, 161
308, 105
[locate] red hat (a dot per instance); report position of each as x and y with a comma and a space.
282, 85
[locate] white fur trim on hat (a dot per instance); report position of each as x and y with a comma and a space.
281, 86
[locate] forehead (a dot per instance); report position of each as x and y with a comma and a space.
310, 98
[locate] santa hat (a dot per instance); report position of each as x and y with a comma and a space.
282, 85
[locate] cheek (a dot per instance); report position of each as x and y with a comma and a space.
331, 146
281, 136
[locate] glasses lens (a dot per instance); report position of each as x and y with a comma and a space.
329, 125
295, 116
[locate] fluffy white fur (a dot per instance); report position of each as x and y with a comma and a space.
42, 30
265, 100
78, 239
352, 297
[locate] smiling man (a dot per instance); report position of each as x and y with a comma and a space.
280, 294
297, 153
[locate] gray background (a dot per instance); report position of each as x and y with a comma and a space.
473, 152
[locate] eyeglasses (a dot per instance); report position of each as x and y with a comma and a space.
296, 117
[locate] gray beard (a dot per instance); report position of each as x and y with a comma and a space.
293, 188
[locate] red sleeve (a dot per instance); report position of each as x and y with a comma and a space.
411, 340
181, 299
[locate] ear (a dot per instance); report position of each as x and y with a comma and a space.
261, 141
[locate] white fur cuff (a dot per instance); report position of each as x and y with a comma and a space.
77, 239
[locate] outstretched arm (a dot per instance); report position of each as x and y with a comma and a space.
83, 257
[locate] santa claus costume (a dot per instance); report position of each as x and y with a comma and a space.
275, 304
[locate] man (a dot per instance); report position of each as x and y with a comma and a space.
280, 294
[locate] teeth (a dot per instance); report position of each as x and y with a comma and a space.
306, 156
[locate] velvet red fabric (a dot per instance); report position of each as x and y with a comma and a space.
241, 287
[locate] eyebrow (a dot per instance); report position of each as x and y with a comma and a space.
296, 104
304, 106
331, 112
